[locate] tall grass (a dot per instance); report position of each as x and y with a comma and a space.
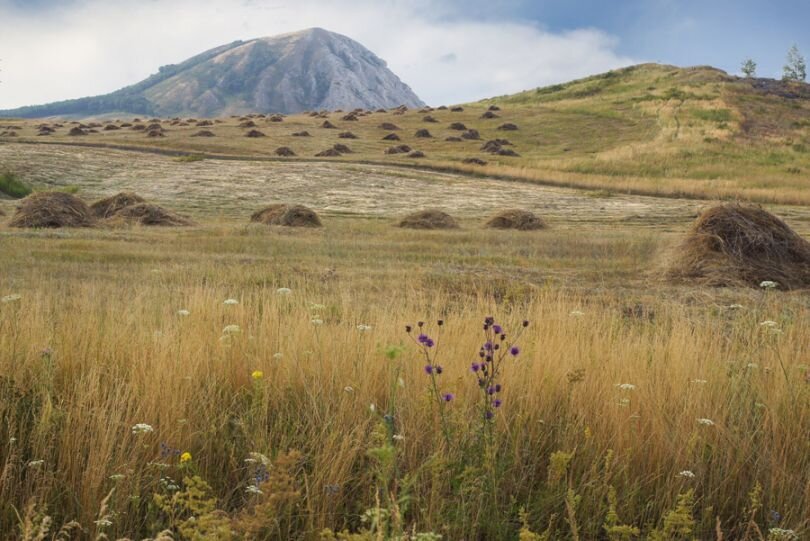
82, 364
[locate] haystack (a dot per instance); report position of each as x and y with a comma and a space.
254, 133
351, 117
52, 209
328, 153
247, 124
489, 114
284, 151
204, 133
347, 135
155, 133
416, 154
111, 127
457, 110
429, 119
474, 161
493, 108
343, 149
422, 133
453, 139
522, 220
471, 135
391, 137
508, 127
399, 149
287, 215
105, 208
429, 219
301, 134
458, 126
328, 125
741, 245
276, 118
149, 215
388, 126
77, 131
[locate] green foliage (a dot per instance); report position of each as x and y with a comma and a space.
749, 68
11, 185
191, 511
613, 527
678, 523
713, 115
796, 67
558, 466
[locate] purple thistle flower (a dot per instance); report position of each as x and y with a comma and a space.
428, 369
489, 320
497, 329
430, 343
514, 350
489, 415
475, 367
447, 397
491, 390
497, 403
488, 346
422, 338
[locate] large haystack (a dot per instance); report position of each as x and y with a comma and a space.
522, 220
149, 215
429, 219
105, 208
741, 245
52, 209
287, 215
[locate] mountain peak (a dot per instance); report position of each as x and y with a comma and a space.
310, 69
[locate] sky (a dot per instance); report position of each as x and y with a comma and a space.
448, 51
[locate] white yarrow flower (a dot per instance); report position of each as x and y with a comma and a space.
316, 321
183, 312
768, 284
705, 422
284, 291
735, 307
142, 428
253, 489
230, 302
699, 381
576, 313
687, 473
10, 298
398, 437
103, 522
348, 389
35, 463
363, 328
626, 386
231, 329
769, 323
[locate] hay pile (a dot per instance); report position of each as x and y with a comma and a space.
388, 126
76, 130
204, 133
522, 220
343, 149
248, 124
458, 126
399, 149
276, 118
429, 119
508, 127
488, 115
474, 161
328, 125
429, 219
149, 215
391, 137
52, 209
328, 153
108, 207
741, 245
301, 134
422, 133
287, 215
416, 154
284, 151
457, 110
254, 133
346, 135
471, 135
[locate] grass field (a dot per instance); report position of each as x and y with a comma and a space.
651, 129
236, 381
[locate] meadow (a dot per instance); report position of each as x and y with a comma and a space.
229, 381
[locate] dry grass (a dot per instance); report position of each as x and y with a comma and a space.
105, 304
737, 245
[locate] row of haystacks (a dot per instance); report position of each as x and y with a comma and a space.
60, 209
521, 220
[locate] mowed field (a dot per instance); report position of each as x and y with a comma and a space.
237, 381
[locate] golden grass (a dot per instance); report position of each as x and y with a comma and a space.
106, 305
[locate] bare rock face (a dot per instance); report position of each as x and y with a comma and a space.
309, 70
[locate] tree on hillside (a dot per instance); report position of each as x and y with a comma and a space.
749, 67
796, 67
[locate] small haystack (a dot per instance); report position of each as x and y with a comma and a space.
741, 245
248, 124
111, 127
416, 154
328, 153
458, 126
471, 135
457, 110
423, 134
488, 115
105, 208
148, 215
522, 220
346, 135
493, 108
453, 139
52, 209
328, 125
343, 149
155, 133
399, 149
508, 127
204, 133
474, 161
284, 151
254, 133
429, 119
391, 137
351, 117
388, 126
301, 134
276, 118
77, 131
287, 215
429, 219
204, 123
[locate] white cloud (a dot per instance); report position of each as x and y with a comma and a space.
91, 47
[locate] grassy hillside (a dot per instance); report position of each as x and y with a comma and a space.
647, 129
